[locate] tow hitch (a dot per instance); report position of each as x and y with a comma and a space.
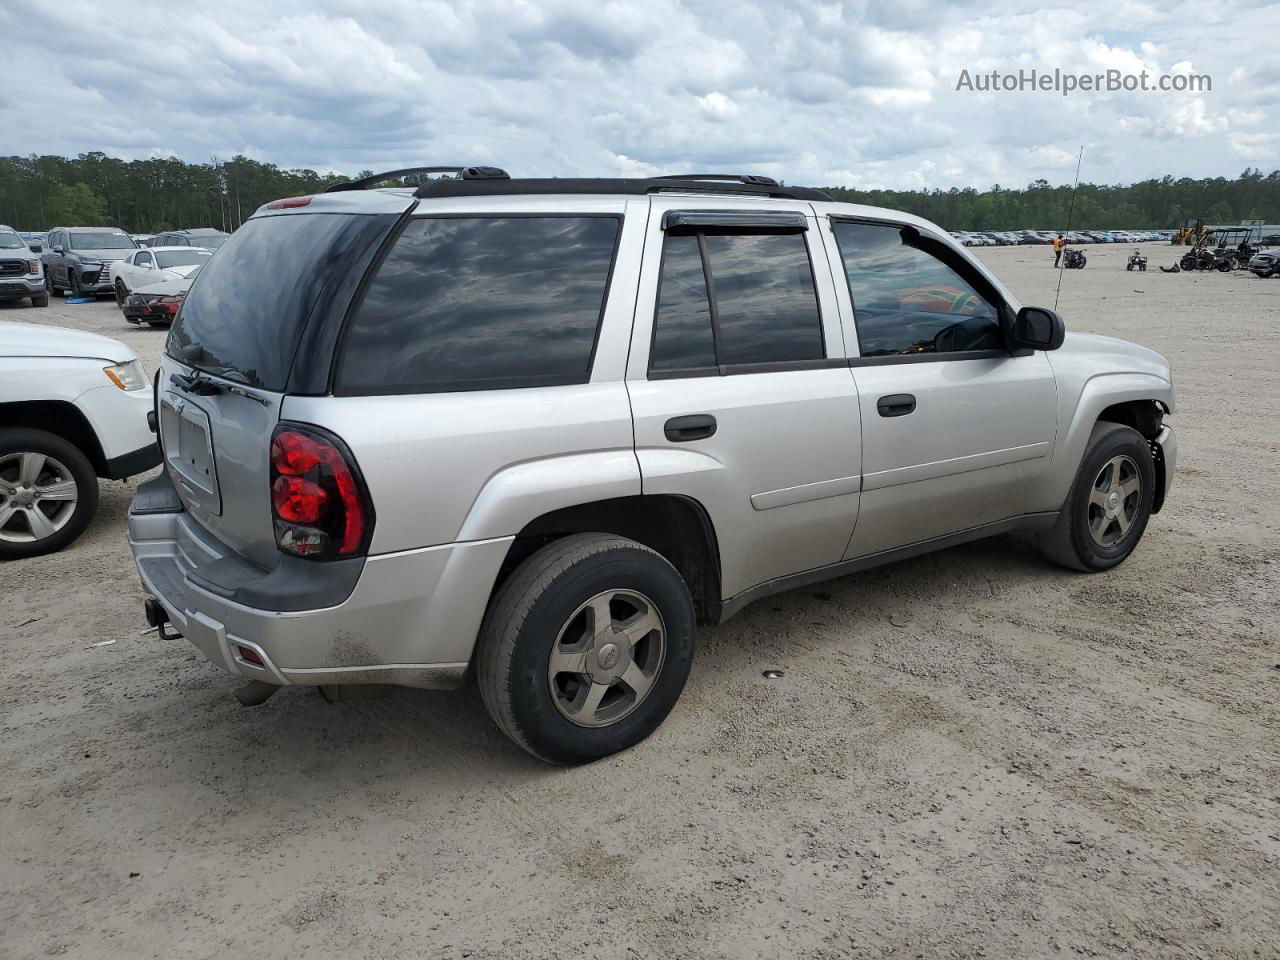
156, 617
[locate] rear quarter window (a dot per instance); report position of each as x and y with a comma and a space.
247, 309
482, 303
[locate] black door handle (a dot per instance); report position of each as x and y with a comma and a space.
896, 405
697, 426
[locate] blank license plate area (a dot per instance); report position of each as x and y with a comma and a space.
187, 450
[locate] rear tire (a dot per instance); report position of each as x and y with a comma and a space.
1107, 509
544, 653
60, 462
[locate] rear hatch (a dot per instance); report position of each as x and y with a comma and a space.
271, 300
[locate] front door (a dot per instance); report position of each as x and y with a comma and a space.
955, 426
739, 390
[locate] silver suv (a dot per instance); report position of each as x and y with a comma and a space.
543, 428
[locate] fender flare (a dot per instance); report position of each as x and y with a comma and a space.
519, 493
1100, 391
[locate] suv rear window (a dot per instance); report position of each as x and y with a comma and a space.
481, 303
246, 311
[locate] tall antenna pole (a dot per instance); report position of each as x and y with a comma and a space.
1070, 210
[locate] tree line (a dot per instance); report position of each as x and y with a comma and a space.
147, 196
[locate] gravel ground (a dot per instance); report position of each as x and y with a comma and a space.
969, 754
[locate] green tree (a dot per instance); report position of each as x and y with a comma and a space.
75, 205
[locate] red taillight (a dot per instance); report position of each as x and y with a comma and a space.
293, 454
317, 495
288, 202
297, 500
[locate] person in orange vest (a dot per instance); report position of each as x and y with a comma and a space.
1058, 244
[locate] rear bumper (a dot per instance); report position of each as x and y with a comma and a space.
410, 618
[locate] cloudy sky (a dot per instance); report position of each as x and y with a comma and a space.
860, 93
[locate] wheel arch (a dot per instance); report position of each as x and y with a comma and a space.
61, 418
1134, 399
677, 527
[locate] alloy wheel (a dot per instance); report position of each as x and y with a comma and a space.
606, 658
38, 496
1114, 501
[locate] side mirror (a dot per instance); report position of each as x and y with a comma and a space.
36, 248
57, 248
1038, 328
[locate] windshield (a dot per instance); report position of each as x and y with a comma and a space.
181, 258
11, 241
245, 313
100, 240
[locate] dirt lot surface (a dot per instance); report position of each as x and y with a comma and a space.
970, 754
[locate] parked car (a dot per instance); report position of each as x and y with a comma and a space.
73, 408
154, 265
205, 237
1265, 263
77, 260
157, 304
20, 274
517, 427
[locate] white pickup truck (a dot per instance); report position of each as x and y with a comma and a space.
73, 407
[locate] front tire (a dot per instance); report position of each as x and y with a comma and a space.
40, 299
586, 648
1109, 504
48, 493
121, 293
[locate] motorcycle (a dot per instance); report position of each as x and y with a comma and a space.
1136, 262
1073, 259
1205, 259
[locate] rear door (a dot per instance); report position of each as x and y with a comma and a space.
954, 425
741, 396
247, 315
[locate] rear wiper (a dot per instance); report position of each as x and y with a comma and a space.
204, 386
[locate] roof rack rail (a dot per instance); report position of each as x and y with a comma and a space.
699, 183
460, 173
731, 177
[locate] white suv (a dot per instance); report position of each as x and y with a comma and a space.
544, 427
74, 407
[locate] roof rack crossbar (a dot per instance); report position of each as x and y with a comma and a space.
461, 173
731, 177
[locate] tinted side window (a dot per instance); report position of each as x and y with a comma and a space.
766, 305
475, 303
143, 260
907, 301
730, 298
682, 338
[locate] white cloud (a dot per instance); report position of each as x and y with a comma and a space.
859, 92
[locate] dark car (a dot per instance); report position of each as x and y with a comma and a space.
1265, 263
206, 237
78, 259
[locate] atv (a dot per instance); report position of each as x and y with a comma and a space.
1136, 262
